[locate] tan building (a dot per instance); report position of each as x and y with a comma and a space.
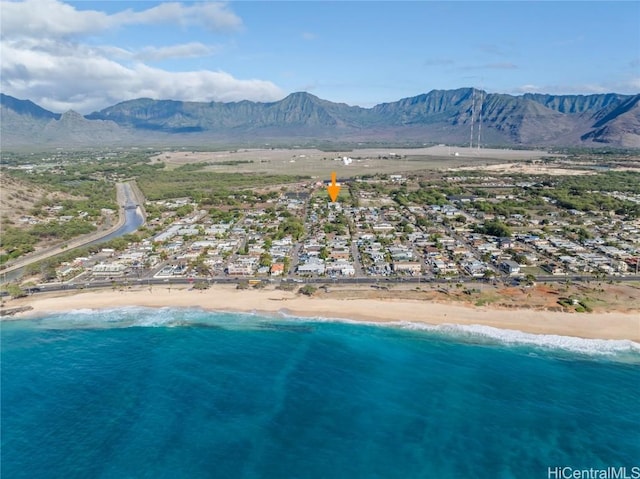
413, 267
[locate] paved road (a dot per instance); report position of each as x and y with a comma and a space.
127, 198
105, 283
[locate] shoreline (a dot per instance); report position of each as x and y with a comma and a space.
225, 298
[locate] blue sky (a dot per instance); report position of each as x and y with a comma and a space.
87, 55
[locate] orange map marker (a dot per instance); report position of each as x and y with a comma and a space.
333, 189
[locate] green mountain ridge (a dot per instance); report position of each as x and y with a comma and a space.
438, 116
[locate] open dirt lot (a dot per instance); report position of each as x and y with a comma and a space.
18, 198
527, 169
365, 161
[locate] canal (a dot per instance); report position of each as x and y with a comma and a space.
132, 221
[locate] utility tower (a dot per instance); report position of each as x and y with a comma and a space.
473, 106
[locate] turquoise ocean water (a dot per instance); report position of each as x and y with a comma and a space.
168, 393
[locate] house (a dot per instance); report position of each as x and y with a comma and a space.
505, 243
313, 266
411, 267
340, 253
475, 268
442, 267
383, 228
109, 269
277, 269
167, 234
190, 230
510, 267
240, 269
345, 268
400, 253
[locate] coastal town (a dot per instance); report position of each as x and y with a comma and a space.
453, 226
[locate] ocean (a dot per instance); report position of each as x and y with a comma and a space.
170, 393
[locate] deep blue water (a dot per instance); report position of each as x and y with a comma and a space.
141, 393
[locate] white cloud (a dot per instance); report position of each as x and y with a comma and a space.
309, 36
529, 88
634, 84
49, 18
184, 50
52, 18
65, 75
630, 87
212, 15
45, 60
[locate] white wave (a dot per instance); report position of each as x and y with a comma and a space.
515, 337
121, 317
141, 316
477, 332
137, 316
481, 333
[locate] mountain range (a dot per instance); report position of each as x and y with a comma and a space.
440, 116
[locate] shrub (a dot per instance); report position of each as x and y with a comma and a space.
308, 290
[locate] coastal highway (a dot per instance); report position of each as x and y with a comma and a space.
104, 283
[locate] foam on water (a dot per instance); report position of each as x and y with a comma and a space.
478, 333
515, 337
166, 317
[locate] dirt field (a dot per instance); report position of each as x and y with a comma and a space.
17, 198
601, 297
365, 161
527, 169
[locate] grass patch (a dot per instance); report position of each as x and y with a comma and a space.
163, 184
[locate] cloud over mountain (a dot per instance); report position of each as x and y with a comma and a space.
46, 55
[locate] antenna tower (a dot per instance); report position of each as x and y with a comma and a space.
473, 105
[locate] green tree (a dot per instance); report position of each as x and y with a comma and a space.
15, 291
265, 259
495, 228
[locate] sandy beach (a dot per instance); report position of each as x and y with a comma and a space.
600, 325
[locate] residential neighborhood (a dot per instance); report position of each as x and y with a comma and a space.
383, 228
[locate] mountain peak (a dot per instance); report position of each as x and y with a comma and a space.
26, 107
442, 116
71, 114
300, 96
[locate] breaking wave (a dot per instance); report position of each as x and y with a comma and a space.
130, 317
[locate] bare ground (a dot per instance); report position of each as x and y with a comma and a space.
17, 198
600, 297
365, 161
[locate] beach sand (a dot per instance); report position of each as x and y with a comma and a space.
609, 325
